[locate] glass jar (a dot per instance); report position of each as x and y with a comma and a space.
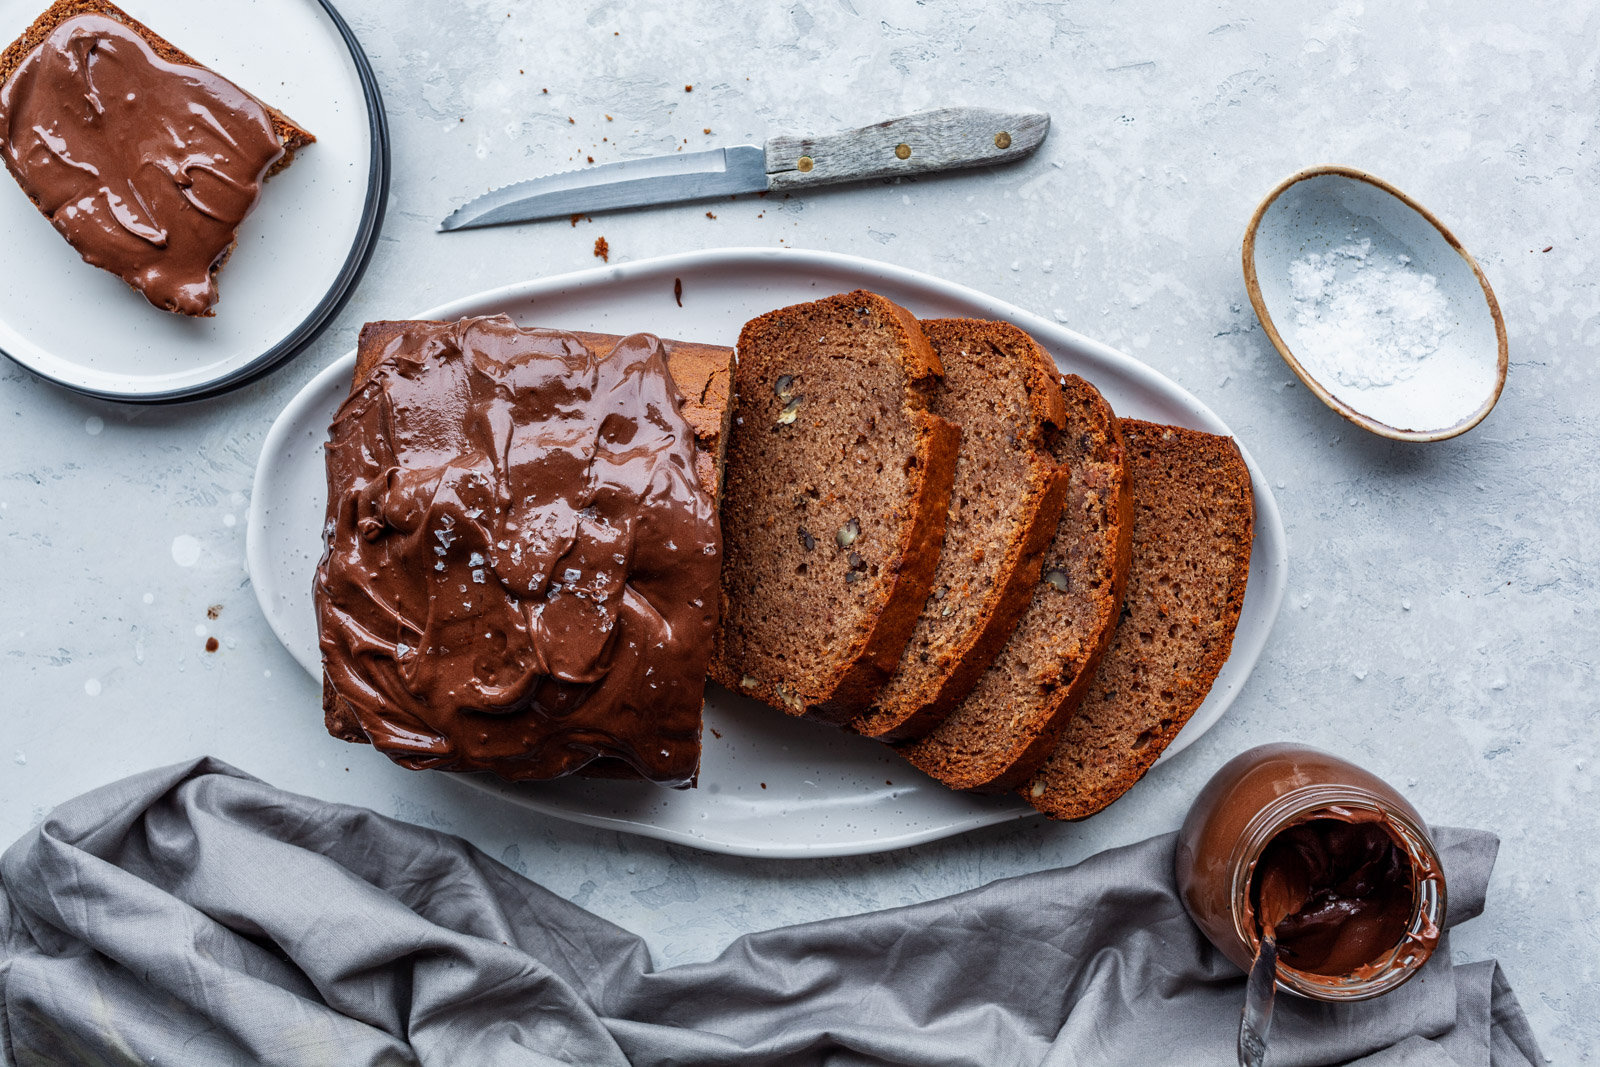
1258, 795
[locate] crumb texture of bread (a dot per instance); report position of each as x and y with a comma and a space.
997, 737
1194, 521
1002, 389
837, 490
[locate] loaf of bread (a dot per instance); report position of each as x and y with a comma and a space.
1193, 526
834, 509
1001, 388
167, 156
997, 737
522, 550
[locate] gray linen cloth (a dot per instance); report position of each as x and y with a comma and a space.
193, 915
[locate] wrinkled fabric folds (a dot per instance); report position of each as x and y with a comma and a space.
194, 915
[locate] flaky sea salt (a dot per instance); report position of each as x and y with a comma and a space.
1369, 320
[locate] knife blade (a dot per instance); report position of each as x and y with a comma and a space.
946, 139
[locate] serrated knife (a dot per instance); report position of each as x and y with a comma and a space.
946, 139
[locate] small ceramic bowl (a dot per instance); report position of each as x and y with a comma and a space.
1375, 305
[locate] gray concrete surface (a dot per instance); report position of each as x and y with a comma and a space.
1440, 625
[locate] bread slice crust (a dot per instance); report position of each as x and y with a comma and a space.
1004, 391
996, 738
839, 483
1194, 527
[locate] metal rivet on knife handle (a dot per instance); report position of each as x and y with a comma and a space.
804, 164
902, 151
1002, 140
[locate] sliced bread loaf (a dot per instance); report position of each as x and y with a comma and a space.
997, 737
838, 484
1194, 520
1002, 389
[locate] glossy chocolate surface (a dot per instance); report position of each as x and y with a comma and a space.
521, 566
1336, 895
146, 167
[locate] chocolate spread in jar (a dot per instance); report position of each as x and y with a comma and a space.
522, 565
146, 167
1336, 895
1324, 854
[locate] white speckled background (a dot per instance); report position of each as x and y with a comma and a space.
1440, 625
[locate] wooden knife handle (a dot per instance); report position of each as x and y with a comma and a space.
930, 141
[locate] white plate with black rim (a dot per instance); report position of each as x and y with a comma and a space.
300, 253
769, 785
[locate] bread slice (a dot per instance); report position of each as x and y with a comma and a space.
996, 738
291, 134
1194, 521
704, 377
838, 486
1002, 389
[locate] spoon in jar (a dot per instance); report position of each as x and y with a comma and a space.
1285, 889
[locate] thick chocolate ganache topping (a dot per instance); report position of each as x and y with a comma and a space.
146, 167
521, 566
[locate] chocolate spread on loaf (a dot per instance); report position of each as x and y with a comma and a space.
1337, 895
146, 167
521, 566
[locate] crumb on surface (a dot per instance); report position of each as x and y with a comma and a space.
589, 158
709, 215
677, 292
211, 644
213, 611
688, 88
708, 129
602, 249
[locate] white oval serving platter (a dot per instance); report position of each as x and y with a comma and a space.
769, 785
300, 253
